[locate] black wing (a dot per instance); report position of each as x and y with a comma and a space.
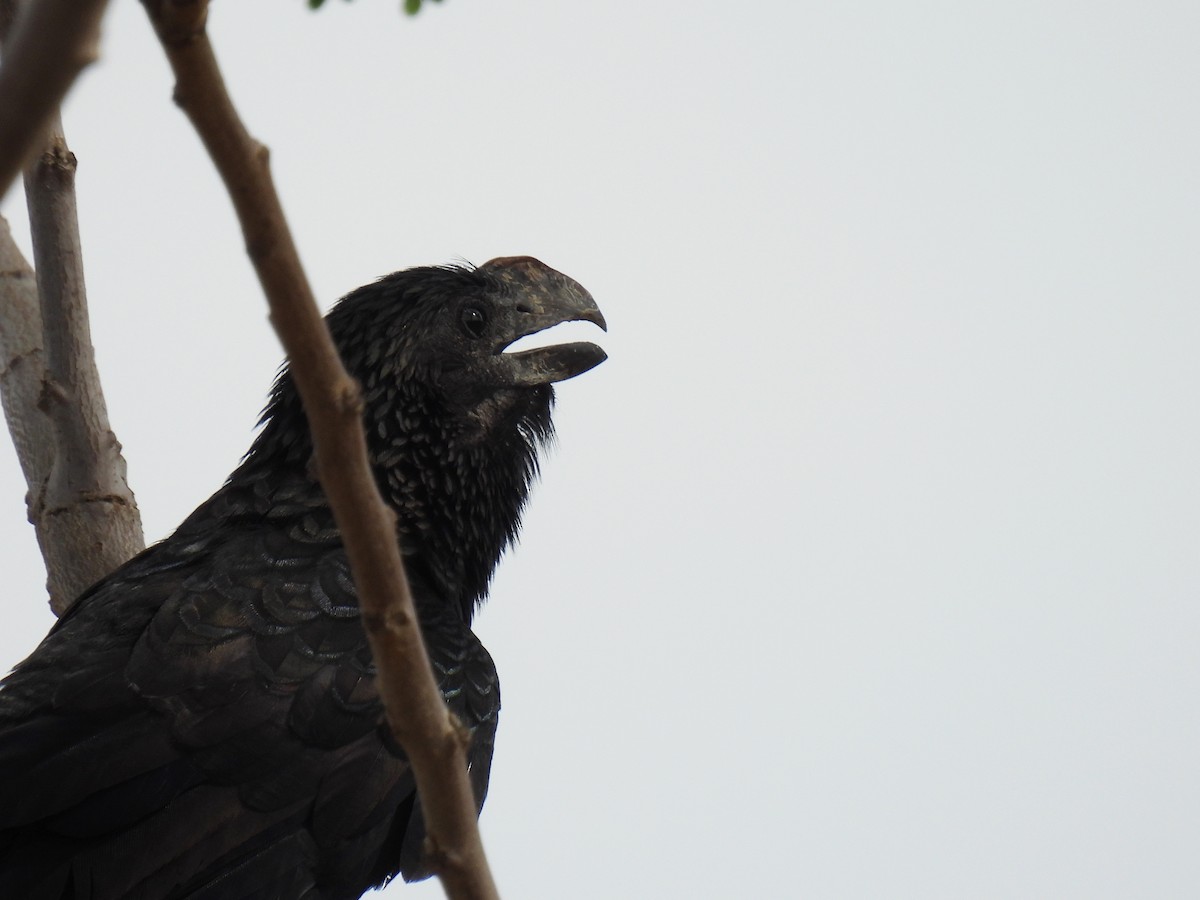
205, 725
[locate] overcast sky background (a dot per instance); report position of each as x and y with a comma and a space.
867, 566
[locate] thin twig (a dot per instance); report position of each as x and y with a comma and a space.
415, 710
51, 42
84, 508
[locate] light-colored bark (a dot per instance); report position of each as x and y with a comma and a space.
83, 512
432, 738
86, 516
21, 367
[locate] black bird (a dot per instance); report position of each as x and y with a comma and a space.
204, 722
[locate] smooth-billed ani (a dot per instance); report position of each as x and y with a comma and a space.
203, 724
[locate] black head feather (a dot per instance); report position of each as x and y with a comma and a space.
453, 423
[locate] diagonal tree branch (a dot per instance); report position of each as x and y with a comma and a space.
418, 717
51, 42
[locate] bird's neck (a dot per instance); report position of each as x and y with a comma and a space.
458, 489
458, 492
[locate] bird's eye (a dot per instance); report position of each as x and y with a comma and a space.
474, 320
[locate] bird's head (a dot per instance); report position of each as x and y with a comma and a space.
453, 422
443, 333
522, 297
437, 337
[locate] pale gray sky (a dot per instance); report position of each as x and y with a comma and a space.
867, 565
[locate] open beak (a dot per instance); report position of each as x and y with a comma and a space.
537, 297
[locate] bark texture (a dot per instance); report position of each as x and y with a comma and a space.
86, 516
78, 500
21, 363
416, 712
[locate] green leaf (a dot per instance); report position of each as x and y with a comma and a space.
315, 4
412, 7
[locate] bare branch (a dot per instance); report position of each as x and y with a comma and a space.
416, 712
21, 367
87, 519
51, 42
84, 514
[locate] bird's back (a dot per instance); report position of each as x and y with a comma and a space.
204, 724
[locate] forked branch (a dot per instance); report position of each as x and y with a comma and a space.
83, 512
